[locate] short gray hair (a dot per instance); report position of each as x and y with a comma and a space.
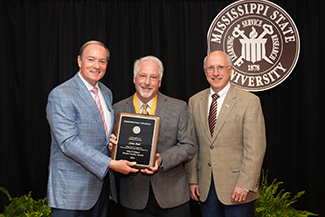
154, 59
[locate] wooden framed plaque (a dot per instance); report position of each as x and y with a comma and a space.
137, 138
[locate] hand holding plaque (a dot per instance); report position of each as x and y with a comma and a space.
137, 138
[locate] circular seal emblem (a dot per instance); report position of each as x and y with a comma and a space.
260, 38
136, 130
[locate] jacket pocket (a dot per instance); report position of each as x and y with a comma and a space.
235, 168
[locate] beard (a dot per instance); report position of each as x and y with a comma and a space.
145, 94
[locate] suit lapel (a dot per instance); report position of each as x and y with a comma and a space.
130, 107
203, 110
227, 106
90, 102
106, 97
162, 106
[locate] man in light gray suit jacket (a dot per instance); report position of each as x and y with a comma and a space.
224, 174
162, 190
79, 169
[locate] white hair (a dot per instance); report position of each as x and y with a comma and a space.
154, 59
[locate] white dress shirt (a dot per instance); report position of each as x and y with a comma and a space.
148, 103
222, 95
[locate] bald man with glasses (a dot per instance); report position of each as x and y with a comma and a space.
230, 141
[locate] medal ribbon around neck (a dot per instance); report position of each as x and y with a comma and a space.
137, 107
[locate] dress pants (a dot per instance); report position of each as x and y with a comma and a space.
212, 207
154, 210
100, 209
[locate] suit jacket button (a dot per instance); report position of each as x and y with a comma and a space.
209, 164
211, 147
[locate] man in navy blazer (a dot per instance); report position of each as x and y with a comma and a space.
161, 190
80, 177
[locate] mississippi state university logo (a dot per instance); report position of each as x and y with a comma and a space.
260, 38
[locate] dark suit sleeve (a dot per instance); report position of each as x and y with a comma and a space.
191, 165
176, 131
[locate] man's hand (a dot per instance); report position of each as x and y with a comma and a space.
239, 195
195, 192
152, 170
122, 166
112, 141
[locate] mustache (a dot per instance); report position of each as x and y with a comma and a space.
146, 86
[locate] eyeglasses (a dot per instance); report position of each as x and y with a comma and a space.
221, 69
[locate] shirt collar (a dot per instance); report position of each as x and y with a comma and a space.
222, 92
149, 103
89, 86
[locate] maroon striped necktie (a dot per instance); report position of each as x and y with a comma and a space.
213, 113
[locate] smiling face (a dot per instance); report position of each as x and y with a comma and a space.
147, 81
93, 63
217, 80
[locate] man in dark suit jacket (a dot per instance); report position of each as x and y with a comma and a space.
79, 158
224, 174
161, 190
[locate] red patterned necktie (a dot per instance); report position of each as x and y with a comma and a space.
99, 105
213, 113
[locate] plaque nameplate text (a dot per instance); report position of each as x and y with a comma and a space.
137, 138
